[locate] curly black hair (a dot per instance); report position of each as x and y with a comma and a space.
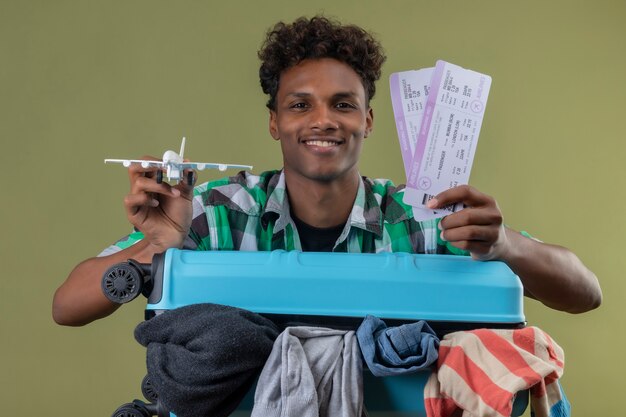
287, 45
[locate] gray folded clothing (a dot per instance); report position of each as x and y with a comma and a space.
311, 372
203, 358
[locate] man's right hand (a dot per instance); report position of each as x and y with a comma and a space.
160, 211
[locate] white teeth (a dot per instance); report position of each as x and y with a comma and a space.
322, 143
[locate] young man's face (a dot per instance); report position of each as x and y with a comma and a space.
321, 119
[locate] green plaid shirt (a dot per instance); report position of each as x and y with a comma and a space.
251, 213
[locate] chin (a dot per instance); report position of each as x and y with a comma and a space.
330, 176
323, 174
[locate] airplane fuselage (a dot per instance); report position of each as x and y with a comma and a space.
172, 162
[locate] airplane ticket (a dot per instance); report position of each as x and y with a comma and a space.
447, 138
409, 90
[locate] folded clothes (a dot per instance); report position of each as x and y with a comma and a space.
311, 372
479, 372
203, 358
397, 350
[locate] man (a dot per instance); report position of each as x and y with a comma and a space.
320, 77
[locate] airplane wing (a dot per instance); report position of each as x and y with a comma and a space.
212, 165
144, 163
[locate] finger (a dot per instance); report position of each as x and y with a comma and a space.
188, 177
481, 216
148, 185
479, 250
135, 202
137, 170
185, 186
465, 194
484, 234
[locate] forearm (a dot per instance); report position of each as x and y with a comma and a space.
552, 274
80, 300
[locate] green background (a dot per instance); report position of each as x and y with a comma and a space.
81, 81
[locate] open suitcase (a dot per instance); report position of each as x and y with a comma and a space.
331, 290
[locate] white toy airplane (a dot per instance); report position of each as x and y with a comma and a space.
174, 166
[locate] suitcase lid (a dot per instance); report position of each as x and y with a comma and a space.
400, 286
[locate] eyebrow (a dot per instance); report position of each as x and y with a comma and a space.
348, 94
339, 95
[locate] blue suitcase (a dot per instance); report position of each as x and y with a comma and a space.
333, 290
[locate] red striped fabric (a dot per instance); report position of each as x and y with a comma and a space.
512, 359
477, 380
480, 371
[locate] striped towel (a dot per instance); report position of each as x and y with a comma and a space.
480, 371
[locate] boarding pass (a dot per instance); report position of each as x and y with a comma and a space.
438, 116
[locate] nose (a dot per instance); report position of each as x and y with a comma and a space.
322, 119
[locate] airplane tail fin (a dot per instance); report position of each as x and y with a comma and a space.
182, 148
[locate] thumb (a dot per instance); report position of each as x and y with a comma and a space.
187, 183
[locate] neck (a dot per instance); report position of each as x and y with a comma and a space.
322, 204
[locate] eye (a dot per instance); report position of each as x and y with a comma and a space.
344, 105
300, 105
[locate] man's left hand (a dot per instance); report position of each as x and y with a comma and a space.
478, 228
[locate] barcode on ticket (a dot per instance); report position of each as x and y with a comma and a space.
428, 197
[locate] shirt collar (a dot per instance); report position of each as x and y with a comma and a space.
366, 213
277, 206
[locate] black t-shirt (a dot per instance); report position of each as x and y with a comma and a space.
316, 239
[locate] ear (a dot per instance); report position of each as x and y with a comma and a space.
369, 122
274, 125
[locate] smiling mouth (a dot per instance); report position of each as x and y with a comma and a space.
321, 143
